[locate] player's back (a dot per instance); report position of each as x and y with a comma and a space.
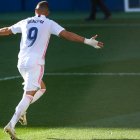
36, 32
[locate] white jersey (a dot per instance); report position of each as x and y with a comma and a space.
36, 32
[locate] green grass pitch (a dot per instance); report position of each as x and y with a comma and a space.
79, 107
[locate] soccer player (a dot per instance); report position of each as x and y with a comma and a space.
36, 32
103, 7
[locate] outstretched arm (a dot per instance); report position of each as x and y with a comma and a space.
76, 38
5, 31
71, 36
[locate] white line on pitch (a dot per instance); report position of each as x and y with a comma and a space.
103, 25
76, 74
9, 78
92, 74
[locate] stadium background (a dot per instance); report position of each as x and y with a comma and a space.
61, 5
91, 94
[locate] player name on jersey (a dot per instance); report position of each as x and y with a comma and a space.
35, 21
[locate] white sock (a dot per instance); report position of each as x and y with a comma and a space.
38, 94
21, 108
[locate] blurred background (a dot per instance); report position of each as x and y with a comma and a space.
61, 5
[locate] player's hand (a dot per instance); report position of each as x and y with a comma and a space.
94, 43
99, 44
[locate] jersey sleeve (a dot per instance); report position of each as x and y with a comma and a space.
16, 28
56, 28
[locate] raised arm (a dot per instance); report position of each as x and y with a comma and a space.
77, 38
5, 31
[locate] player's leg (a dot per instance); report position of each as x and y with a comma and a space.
39, 93
32, 79
39, 83
94, 9
92, 15
20, 109
22, 106
104, 9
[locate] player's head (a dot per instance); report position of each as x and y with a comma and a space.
42, 8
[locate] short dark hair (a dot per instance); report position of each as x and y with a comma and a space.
42, 5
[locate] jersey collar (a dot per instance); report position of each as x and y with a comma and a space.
41, 16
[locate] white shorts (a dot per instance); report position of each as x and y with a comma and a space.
32, 77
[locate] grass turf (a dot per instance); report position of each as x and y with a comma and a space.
76, 134
79, 107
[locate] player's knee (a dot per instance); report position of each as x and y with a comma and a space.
31, 93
